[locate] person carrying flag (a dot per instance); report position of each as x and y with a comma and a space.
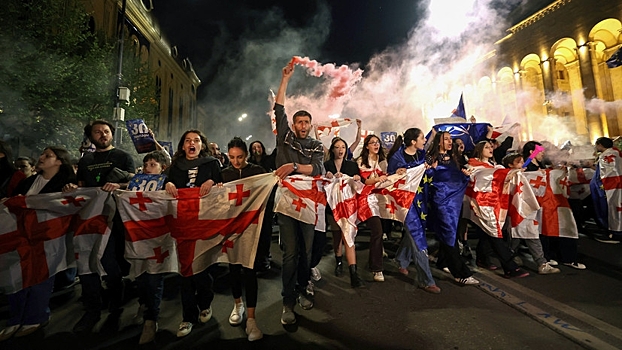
297, 153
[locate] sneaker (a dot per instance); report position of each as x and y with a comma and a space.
310, 288
205, 315
149, 331
288, 316
378, 276
434, 289
305, 302
491, 267
253, 332
610, 239
184, 329
467, 281
385, 237
87, 322
553, 262
547, 269
8, 332
315, 274
446, 270
518, 273
27, 329
403, 271
576, 265
237, 314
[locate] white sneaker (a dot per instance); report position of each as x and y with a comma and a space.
576, 265
467, 281
378, 276
310, 289
184, 329
253, 332
315, 274
547, 269
237, 314
205, 315
553, 262
8, 332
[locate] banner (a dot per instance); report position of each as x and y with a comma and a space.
43, 234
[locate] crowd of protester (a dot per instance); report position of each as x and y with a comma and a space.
201, 164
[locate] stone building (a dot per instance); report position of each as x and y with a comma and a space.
550, 74
175, 80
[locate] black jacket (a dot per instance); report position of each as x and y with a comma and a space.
230, 173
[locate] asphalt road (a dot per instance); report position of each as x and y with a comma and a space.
571, 310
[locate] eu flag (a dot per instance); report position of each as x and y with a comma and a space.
469, 133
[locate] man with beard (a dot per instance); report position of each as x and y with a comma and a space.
215, 150
109, 168
297, 153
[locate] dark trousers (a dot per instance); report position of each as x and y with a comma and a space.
561, 248
450, 255
240, 274
500, 248
113, 262
150, 289
297, 242
262, 258
375, 243
196, 294
29, 306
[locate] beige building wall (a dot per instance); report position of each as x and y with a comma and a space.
173, 75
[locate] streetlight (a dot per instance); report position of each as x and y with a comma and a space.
242, 117
248, 137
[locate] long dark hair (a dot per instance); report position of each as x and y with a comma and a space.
66, 168
410, 135
365, 152
479, 149
251, 155
435, 148
331, 154
180, 153
237, 142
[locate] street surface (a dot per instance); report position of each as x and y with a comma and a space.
571, 310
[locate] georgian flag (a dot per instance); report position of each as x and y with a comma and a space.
392, 199
579, 179
486, 199
500, 133
606, 186
189, 233
524, 208
41, 235
551, 189
341, 196
302, 198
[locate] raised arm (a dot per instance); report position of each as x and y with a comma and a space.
288, 71
355, 144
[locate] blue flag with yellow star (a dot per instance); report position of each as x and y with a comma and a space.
446, 193
599, 197
417, 215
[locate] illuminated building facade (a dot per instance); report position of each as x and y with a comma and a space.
550, 71
175, 80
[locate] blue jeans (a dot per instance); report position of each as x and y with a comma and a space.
297, 242
150, 288
407, 251
30, 305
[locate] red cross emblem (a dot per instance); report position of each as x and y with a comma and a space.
227, 244
519, 188
399, 182
299, 204
391, 206
73, 200
239, 194
537, 182
343, 184
141, 201
619, 208
610, 158
158, 256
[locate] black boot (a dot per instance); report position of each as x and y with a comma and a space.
338, 266
355, 280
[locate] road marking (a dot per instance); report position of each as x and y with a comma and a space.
566, 329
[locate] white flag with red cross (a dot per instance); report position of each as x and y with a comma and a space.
41, 235
391, 199
487, 199
579, 179
341, 196
302, 198
524, 208
189, 233
555, 216
608, 205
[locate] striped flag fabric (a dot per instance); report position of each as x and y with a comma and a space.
189, 233
43, 234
